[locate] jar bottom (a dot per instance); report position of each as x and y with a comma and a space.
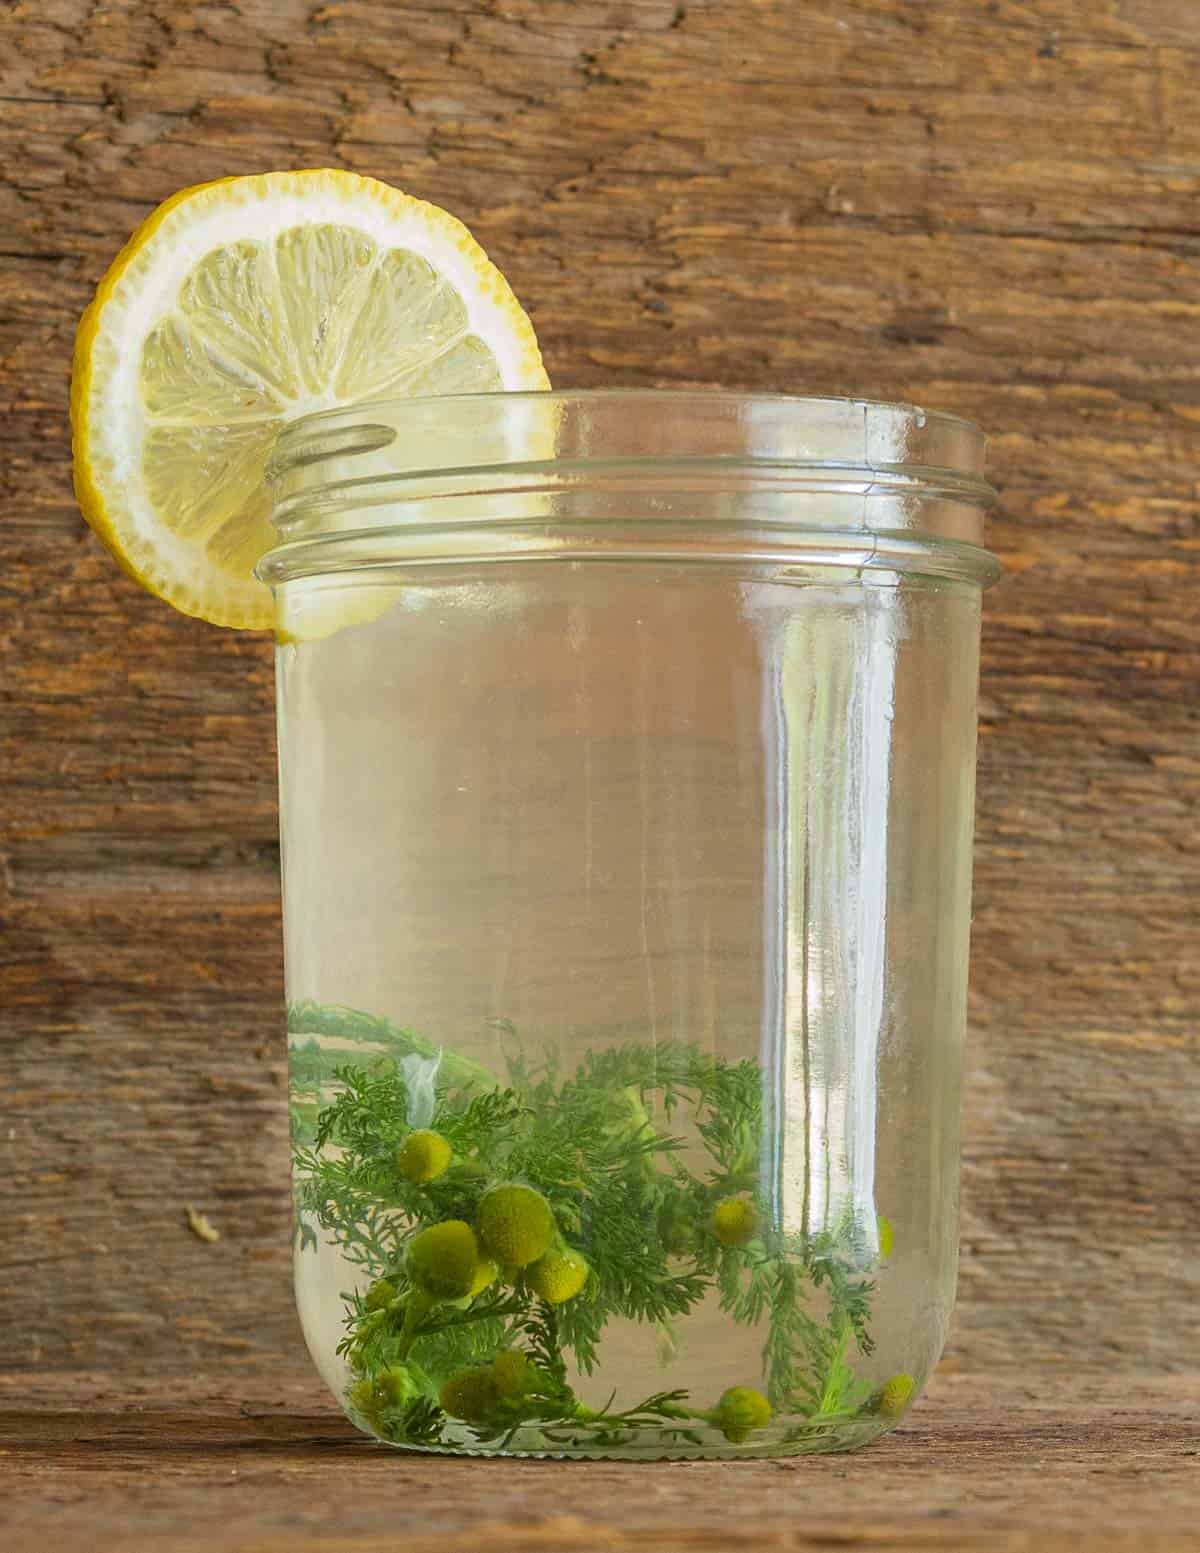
531, 1445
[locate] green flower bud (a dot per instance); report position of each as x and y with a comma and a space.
558, 1276
389, 1388
380, 1295
516, 1224
485, 1274
740, 1410
680, 1237
360, 1399
734, 1221
443, 1259
372, 1323
511, 1374
470, 1395
895, 1396
394, 1386
422, 1157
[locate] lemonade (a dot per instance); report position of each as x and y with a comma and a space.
600, 874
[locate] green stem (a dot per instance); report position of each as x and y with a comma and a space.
351, 1024
831, 1391
589, 1415
417, 1308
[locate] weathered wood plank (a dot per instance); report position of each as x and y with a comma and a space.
985, 1463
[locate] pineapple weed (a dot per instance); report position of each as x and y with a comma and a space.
498, 1229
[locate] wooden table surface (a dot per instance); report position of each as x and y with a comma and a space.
988, 206
985, 1462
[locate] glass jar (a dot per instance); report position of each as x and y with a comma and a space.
627, 748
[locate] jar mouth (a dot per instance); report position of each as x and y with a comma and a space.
662, 474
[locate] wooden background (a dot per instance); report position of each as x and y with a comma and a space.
991, 206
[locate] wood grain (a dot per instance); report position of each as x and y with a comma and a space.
984, 1464
987, 207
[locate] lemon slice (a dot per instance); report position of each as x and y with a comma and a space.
239, 305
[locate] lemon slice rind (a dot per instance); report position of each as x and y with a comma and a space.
140, 294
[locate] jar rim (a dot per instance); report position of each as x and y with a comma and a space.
576, 465
298, 439
652, 392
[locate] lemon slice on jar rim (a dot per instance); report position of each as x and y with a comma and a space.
240, 305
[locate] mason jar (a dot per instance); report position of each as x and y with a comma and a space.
627, 751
